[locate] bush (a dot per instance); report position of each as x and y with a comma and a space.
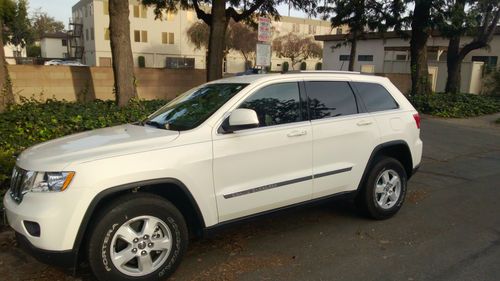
491, 83
456, 105
285, 67
142, 62
32, 122
303, 65
319, 66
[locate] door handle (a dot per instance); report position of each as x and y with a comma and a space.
297, 133
364, 123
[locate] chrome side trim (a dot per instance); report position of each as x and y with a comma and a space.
283, 183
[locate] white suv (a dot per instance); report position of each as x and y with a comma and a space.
127, 198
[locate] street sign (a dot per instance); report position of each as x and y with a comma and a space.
263, 55
264, 32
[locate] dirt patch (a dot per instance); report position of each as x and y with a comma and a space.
416, 196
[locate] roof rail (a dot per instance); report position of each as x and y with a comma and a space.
322, 71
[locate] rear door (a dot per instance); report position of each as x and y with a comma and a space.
343, 136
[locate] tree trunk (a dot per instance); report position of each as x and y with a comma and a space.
454, 63
121, 50
352, 55
418, 47
6, 95
216, 42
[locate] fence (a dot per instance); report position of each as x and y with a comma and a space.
87, 83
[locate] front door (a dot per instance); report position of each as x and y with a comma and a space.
268, 167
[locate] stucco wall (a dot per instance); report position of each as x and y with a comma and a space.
87, 83
53, 48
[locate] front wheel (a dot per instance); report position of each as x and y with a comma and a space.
384, 190
139, 237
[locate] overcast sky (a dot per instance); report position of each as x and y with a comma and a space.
61, 9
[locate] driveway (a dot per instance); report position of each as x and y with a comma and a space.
448, 229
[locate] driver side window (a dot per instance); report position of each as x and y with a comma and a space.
276, 104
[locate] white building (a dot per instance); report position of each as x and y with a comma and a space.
159, 41
54, 45
389, 54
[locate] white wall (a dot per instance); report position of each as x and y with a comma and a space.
53, 48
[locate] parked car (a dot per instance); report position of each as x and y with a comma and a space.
63, 62
251, 71
128, 197
54, 62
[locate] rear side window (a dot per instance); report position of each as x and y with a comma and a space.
375, 97
276, 104
330, 99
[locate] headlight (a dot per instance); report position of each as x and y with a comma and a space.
47, 181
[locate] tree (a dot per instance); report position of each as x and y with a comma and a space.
221, 12
421, 27
20, 31
296, 48
466, 17
243, 39
42, 23
359, 15
7, 14
240, 37
121, 51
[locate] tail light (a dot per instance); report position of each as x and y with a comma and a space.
416, 116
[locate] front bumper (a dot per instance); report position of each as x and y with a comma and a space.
66, 259
58, 216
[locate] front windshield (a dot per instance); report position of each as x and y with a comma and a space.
192, 108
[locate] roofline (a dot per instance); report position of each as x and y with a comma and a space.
379, 35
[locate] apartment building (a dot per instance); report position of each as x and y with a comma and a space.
54, 45
164, 43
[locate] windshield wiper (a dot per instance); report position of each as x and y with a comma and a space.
155, 124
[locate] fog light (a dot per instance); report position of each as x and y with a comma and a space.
33, 228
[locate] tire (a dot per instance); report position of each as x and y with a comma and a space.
381, 186
140, 237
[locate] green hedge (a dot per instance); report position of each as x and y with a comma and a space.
456, 105
32, 122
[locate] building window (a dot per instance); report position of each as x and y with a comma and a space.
137, 11
344, 57
171, 38
137, 36
365, 58
144, 11
296, 28
401, 57
105, 7
167, 38
64, 42
312, 29
144, 36
85, 11
106, 34
92, 34
91, 9
489, 61
87, 34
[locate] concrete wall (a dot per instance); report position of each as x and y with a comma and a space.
87, 83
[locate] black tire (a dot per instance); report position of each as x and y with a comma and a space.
121, 211
366, 199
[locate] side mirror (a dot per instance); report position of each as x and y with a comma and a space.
240, 119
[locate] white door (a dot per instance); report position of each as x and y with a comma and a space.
343, 138
264, 168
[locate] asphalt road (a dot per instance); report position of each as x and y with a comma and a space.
448, 229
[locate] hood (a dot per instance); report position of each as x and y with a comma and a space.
56, 154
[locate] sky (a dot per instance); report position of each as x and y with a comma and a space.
61, 9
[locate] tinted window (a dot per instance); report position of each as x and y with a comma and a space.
330, 99
192, 108
275, 104
375, 97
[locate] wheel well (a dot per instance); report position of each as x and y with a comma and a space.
400, 152
172, 192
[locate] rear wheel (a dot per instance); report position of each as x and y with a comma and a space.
384, 190
139, 237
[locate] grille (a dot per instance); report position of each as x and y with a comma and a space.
16, 184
